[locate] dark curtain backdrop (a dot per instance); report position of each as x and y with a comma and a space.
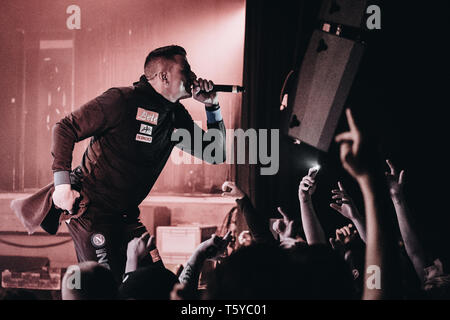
277, 34
400, 95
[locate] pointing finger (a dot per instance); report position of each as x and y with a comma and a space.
391, 166
401, 176
285, 217
350, 120
345, 136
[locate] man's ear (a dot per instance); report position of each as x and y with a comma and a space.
164, 77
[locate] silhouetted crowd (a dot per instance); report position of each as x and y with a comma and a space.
290, 258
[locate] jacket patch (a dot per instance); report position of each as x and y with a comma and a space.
98, 240
146, 129
147, 116
142, 138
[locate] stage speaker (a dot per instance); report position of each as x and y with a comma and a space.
322, 87
344, 12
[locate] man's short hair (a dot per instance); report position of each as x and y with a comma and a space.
167, 52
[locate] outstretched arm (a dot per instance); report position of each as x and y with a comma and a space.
313, 230
380, 281
137, 250
210, 146
258, 224
209, 249
413, 246
344, 205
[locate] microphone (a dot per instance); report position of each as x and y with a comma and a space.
228, 88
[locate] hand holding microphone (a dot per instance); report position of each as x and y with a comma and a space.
204, 87
202, 91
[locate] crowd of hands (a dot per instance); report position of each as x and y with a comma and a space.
368, 227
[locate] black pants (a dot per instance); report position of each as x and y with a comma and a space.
104, 238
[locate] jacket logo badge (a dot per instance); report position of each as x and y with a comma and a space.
98, 240
142, 138
147, 116
146, 129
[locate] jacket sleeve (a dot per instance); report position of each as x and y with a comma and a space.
199, 143
92, 119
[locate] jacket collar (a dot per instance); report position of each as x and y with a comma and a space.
144, 87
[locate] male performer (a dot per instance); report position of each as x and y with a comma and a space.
131, 131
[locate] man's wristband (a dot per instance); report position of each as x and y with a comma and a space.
213, 114
214, 107
61, 177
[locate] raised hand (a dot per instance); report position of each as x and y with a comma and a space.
283, 227
395, 180
139, 247
287, 230
346, 234
307, 185
230, 189
344, 203
350, 149
215, 246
